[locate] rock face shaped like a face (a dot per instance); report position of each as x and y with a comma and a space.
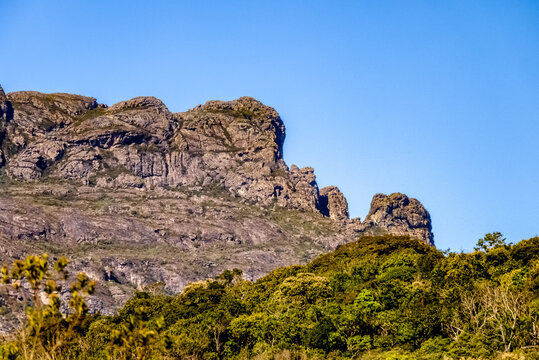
397, 214
333, 203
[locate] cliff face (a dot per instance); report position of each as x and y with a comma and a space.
140, 144
136, 194
6, 114
333, 203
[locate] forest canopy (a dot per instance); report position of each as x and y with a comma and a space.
384, 297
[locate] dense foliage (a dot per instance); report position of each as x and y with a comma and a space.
378, 298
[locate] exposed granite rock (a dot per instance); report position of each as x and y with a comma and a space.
140, 143
135, 194
398, 214
333, 203
36, 113
6, 109
3, 106
6, 114
305, 194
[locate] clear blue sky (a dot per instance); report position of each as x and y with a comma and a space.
436, 99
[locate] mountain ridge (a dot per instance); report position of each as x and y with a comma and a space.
132, 188
302, 192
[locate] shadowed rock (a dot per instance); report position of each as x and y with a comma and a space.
333, 203
6, 114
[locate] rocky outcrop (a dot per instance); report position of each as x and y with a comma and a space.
6, 110
140, 143
135, 194
6, 113
397, 214
128, 239
333, 203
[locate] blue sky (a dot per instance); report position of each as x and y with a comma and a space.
439, 100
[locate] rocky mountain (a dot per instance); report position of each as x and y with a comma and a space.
140, 197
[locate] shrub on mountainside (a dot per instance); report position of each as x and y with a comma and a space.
46, 330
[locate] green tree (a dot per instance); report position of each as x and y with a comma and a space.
490, 241
46, 331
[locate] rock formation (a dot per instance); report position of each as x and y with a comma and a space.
398, 214
140, 143
136, 194
6, 113
333, 203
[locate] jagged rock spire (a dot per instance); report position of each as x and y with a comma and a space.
333, 203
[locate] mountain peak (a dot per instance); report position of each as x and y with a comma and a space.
140, 102
139, 143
